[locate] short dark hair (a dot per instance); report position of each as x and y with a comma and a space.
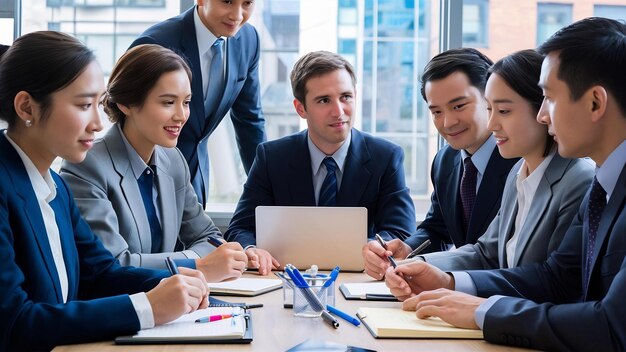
40, 63
592, 52
315, 64
136, 73
471, 62
521, 71
3, 49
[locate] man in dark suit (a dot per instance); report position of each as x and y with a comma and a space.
453, 84
297, 170
575, 299
215, 40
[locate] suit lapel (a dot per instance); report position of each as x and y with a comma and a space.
167, 192
300, 179
129, 187
60, 204
610, 214
189, 49
356, 174
24, 189
451, 191
510, 208
494, 177
543, 196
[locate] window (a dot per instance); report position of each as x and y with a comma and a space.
614, 12
551, 18
475, 23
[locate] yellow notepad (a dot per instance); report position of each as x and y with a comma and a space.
397, 323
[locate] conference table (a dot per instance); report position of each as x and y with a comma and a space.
276, 329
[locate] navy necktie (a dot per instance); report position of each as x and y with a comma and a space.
595, 207
468, 189
328, 192
145, 182
215, 88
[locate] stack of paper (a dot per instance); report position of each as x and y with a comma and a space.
374, 291
397, 323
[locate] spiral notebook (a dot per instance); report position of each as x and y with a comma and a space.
237, 329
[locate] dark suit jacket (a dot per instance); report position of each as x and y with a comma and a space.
444, 222
242, 95
597, 322
32, 313
373, 178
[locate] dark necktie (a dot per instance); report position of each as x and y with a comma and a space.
468, 189
595, 207
215, 88
145, 182
328, 192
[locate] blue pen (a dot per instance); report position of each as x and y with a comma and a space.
309, 295
215, 241
333, 276
347, 317
171, 266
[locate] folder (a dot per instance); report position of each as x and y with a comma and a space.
397, 323
185, 330
244, 286
370, 291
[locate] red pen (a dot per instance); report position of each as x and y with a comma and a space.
215, 318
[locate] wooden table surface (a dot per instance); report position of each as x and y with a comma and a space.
276, 329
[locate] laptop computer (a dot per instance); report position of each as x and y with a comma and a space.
303, 236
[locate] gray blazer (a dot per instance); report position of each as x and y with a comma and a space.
107, 194
553, 208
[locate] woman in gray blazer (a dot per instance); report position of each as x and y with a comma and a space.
543, 190
133, 188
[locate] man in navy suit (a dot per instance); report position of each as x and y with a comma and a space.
214, 34
453, 84
292, 171
575, 299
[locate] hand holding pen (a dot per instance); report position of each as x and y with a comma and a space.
384, 245
227, 261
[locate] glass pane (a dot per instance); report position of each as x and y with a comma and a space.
415, 162
396, 18
395, 93
614, 12
551, 18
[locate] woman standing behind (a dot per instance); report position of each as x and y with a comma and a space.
542, 193
148, 100
58, 284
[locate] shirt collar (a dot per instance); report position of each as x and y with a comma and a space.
203, 35
612, 167
532, 180
136, 162
480, 159
317, 156
44, 186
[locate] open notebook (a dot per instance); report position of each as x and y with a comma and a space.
244, 286
237, 329
397, 323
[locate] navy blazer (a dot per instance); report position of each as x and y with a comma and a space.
443, 224
32, 313
242, 93
373, 178
595, 319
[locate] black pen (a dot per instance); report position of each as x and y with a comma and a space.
215, 241
419, 249
171, 266
384, 245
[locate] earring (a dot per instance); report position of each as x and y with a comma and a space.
28, 123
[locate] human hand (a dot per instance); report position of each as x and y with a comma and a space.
178, 295
456, 308
410, 279
262, 260
375, 256
227, 261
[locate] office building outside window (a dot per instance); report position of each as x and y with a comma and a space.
550, 18
476, 23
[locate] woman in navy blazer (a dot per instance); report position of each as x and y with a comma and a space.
148, 98
58, 284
